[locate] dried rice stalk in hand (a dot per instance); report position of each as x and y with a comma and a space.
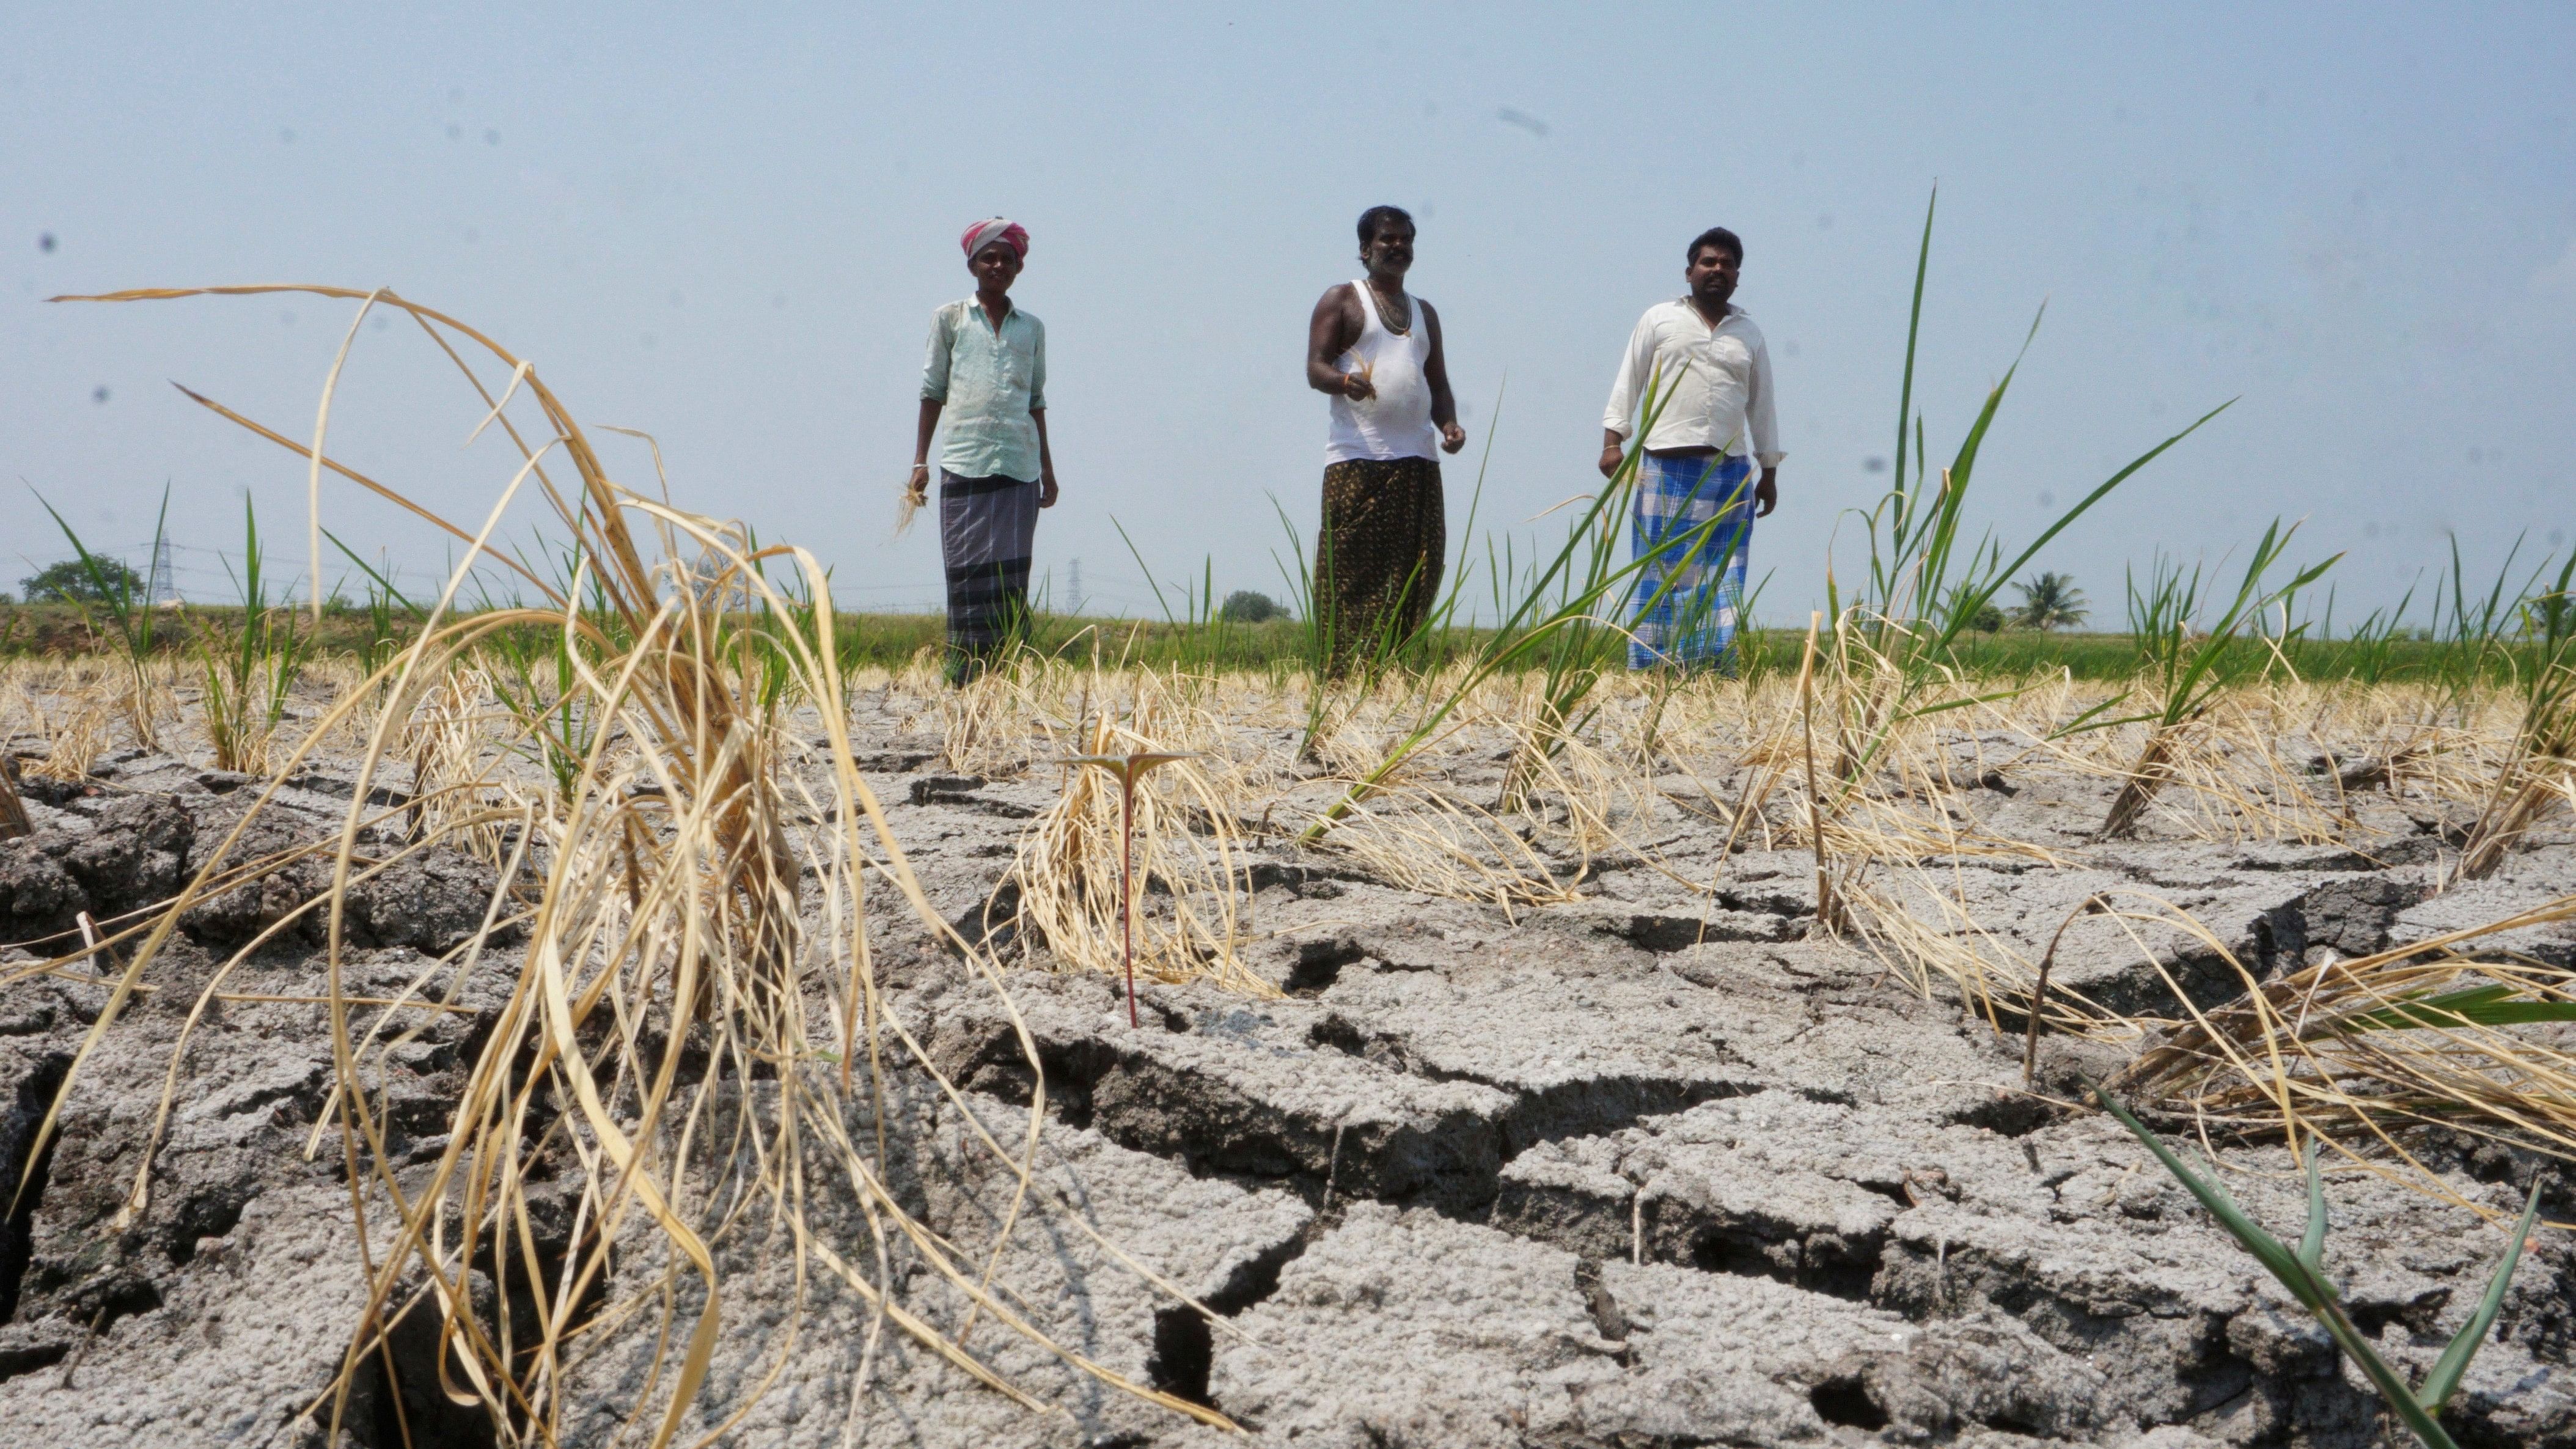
908, 505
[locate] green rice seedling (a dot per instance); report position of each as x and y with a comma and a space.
1200, 631
390, 615
123, 601
2167, 602
384, 634
250, 667
2189, 665
536, 674
1896, 646
2539, 774
2478, 642
539, 683
753, 617
2370, 651
2302, 1271
1577, 655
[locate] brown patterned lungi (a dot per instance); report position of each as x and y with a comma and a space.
1378, 559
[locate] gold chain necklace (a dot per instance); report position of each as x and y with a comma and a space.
1383, 319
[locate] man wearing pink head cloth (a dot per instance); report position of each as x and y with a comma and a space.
986, 371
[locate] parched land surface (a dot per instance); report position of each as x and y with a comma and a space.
1649, 1167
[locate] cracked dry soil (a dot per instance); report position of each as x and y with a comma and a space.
1652, 1169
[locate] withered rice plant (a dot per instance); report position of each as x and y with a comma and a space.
2453, 1033
2190, 666
1091, 858
13, 812
76, 728
2539, 776
693, 969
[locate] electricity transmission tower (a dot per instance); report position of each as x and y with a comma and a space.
158, 588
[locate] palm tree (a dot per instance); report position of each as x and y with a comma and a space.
2050, 601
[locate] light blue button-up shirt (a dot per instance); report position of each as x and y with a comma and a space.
988, 380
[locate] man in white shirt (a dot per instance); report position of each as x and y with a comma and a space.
1710, 375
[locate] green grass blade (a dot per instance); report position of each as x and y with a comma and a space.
1913, 333
2095, 718
2444, 1380
1994, 585
2493, 1005
380, 581
1151, 582
2267, 1250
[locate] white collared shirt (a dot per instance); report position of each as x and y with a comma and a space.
1716, 383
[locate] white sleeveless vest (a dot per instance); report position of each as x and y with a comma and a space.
1397, 422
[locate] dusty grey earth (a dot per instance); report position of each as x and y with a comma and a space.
1649, 1169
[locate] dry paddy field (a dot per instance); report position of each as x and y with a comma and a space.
462, 1073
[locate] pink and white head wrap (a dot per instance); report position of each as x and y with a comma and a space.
996, 229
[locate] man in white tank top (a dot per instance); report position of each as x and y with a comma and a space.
1375, 350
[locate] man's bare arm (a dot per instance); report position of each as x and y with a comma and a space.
1614, 450
1330, 333
929, 424
1046, 461
1435, 371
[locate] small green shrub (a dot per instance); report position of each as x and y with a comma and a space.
1248, 606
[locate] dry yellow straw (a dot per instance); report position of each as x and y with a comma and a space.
909, 505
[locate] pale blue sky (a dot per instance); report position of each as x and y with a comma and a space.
731, 228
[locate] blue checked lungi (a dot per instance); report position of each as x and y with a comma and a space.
1687, 599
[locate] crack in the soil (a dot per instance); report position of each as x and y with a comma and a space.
1846, 1401
1665, 934
1319, 965
1262, 875
24, 1182
1184, 1353
31, 1357
1581, 1108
